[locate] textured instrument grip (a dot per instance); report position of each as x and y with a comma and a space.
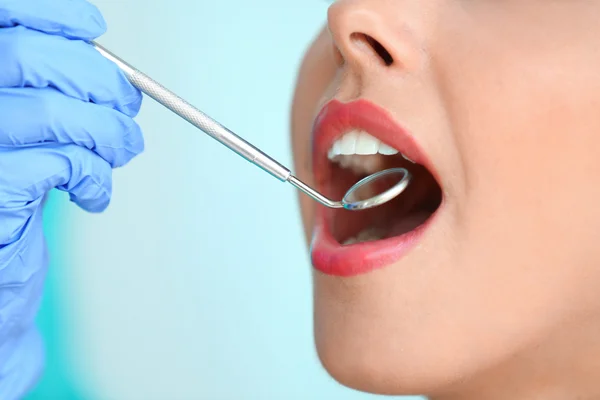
196, 117
202, 121
175, 103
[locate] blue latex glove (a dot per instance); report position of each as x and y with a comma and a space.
65, 121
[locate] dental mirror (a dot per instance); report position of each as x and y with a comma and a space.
369, 192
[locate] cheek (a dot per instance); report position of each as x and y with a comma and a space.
529, 132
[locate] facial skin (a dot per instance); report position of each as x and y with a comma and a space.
501, 298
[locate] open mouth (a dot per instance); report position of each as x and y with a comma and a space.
351, 141
358, 154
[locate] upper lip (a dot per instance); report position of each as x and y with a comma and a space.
337, 118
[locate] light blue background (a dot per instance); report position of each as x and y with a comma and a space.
195, 283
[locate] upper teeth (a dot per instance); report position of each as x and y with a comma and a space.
360, 142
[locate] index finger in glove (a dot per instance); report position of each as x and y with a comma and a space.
73, 19
34, 59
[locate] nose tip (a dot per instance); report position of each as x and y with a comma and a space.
364, 34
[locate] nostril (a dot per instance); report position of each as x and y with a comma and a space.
377, 47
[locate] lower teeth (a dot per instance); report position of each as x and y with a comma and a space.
368, 235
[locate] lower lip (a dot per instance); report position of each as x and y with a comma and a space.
330, 257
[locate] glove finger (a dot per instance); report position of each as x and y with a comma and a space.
34, 59
29, 173
73, 19
32, 116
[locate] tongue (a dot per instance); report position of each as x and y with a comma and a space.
408, 223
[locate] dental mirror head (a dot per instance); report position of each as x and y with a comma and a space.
369, 192
376, 189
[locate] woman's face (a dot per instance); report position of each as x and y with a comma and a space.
498, 286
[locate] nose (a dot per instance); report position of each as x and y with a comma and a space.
370, 32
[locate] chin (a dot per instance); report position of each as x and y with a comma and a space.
363, 348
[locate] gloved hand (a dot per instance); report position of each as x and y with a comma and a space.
65, 121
